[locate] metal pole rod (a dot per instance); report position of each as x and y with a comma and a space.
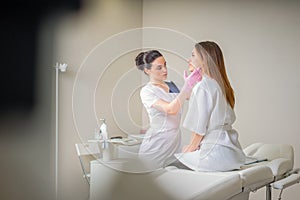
56, 132
268, 192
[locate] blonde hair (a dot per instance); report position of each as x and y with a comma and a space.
215, 68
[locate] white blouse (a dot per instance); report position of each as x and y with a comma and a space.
162, 139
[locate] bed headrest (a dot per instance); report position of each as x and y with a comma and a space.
271, 151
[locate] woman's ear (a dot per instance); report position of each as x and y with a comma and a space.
147, 71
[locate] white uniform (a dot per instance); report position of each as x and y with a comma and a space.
162, 139
210, 114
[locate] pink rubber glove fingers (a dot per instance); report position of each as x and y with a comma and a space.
193, 78
185, 75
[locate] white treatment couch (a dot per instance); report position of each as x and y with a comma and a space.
113, 180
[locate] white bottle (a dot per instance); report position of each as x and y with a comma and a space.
103, 130
106, 146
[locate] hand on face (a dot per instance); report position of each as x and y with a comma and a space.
193, 78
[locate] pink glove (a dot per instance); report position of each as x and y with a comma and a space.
192, 79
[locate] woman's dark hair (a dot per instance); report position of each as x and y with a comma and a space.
144, 59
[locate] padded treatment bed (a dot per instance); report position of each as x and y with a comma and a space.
109, 180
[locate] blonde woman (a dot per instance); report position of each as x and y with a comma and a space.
214, 144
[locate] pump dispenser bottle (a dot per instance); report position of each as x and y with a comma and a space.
103, 130
106, 146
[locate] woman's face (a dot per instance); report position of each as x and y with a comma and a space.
195, 61
158, 70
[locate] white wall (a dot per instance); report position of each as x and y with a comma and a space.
87, 85
260, 41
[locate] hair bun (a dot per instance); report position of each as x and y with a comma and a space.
144, 59
139, 61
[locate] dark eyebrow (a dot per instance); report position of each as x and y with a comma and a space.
160, 65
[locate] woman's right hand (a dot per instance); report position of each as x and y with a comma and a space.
191, 80
185, 149
189, 148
